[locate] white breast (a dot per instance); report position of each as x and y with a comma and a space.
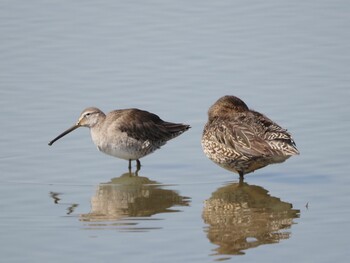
121, 146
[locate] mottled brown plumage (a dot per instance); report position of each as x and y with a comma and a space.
243, 140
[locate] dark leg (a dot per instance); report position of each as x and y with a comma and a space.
138, 166
241, 176
129, 166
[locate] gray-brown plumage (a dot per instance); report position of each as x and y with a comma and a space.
243, 140
128, 133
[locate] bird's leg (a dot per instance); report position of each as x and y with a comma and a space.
138, 166
129, 166
241, 177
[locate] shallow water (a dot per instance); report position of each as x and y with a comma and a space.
71, 203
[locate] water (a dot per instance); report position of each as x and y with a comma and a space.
70, 203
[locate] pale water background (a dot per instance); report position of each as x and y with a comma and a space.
70, 203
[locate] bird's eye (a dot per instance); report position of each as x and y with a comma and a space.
87, 114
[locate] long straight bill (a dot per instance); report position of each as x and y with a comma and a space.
64, 133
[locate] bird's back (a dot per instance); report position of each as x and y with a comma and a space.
143, 125
261, 130
250, 134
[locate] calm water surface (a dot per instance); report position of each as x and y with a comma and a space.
70, 203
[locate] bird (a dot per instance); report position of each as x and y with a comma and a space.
242, 140
128, 134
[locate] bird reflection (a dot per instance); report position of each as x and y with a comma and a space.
242, 216
57, 200
131, 195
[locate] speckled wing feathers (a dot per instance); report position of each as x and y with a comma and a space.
239, 138
246, 142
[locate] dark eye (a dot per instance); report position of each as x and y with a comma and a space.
87, 114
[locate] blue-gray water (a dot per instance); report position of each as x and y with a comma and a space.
70, 203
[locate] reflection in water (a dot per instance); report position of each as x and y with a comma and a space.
242, 216
56, 199
128, 196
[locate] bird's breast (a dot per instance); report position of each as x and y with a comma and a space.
121, 145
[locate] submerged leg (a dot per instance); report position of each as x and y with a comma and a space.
241, 176
138, 166
129, 166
